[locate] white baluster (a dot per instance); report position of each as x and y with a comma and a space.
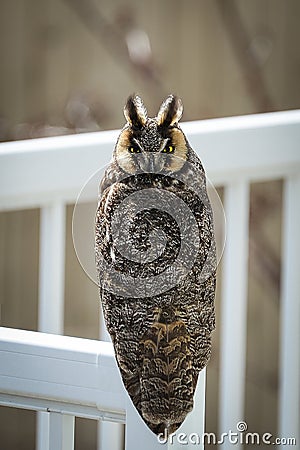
51, 288
234, 307
110, 435
289, 412
61, 431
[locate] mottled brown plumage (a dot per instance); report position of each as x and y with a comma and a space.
156, 261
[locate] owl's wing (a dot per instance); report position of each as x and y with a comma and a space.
118, 315
124, 325
105, 242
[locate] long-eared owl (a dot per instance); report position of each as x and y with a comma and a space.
156, 263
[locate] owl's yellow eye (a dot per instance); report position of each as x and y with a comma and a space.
134, 149
169, 149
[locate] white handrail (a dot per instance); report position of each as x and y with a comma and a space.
67, 377
255, 147
60, 374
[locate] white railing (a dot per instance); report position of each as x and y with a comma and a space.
49, 173
64, 377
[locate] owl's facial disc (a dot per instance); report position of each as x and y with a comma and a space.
136, 154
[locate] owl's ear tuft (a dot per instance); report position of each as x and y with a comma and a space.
135, 111
170, 111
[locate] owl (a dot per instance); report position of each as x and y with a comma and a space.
156, 262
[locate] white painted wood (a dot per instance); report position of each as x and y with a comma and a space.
194, 425
52, 268
110, 435
195, 422
289, 411
137, 434
48, 405
189, 436
61, 372
103, 333
61, 436
233, 321
36, 172
51, 287
42, 428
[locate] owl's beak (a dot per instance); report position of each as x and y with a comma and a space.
151, 164
147, 163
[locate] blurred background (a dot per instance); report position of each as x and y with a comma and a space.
67, 66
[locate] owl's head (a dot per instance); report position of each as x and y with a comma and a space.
155, 145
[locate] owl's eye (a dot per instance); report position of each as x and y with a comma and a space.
134, 149
169, 149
